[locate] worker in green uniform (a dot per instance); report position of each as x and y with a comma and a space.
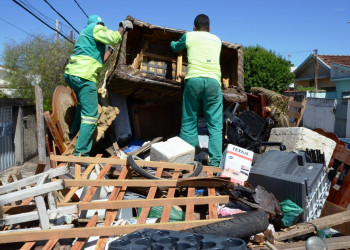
86, 61
202, 90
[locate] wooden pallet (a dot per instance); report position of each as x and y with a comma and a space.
115, 201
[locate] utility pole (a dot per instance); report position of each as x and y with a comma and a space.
316, 71
57, 22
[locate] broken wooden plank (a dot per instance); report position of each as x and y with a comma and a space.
30, 192
147, 202
309, 227
37, 234
342, 242
331, 208
141, 163
30, 216
32, 179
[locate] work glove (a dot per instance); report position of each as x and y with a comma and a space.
126, 24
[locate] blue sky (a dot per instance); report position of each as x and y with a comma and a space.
293, 29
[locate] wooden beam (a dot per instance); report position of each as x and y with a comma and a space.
30, 192
342, 242
308, 227
35, 235
32, 179
120, 183
141, 163
40, 125
147, 202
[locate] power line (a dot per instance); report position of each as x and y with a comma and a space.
295, 52
41, 20
16, 27
40, 14
61, 16
81, 9
38, 37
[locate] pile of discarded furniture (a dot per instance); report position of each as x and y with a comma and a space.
279, 186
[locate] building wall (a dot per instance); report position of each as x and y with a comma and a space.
343, 86
319, 113
322, 83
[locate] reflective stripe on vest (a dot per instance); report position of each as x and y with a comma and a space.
89, 120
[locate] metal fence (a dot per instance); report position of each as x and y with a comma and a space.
7, 151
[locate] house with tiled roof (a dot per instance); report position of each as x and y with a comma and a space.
306, 72
340, 74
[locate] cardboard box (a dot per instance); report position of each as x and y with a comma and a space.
236, 163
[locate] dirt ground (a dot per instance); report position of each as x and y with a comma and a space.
27, 169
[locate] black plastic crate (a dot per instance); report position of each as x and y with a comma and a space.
155, 239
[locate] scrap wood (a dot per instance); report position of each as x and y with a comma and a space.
342, 242
81, 241
86, 232
116, 194
88, 196
146, 209
141, 163
171, 194
32, 179
309, 227
331, 208
86, 173
186, 182
145, 147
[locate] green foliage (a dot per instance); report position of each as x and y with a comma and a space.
265, 69
38, 60
301, 88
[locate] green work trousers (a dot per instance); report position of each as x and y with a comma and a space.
203, 94
86, 114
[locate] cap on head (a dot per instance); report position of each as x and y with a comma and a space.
202, 22
94, 19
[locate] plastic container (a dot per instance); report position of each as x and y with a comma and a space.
166, 239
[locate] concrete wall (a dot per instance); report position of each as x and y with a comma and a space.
342, 86
319, 113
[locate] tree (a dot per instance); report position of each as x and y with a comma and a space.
39, 60
265, 69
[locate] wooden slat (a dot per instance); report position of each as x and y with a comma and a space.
146, 202
81, 241
293, 114
98, 231
141, 163
321, 223
151, 193
213, 207
86, 173
120, 183
116, 194
190, 208
171, 194
295, 104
